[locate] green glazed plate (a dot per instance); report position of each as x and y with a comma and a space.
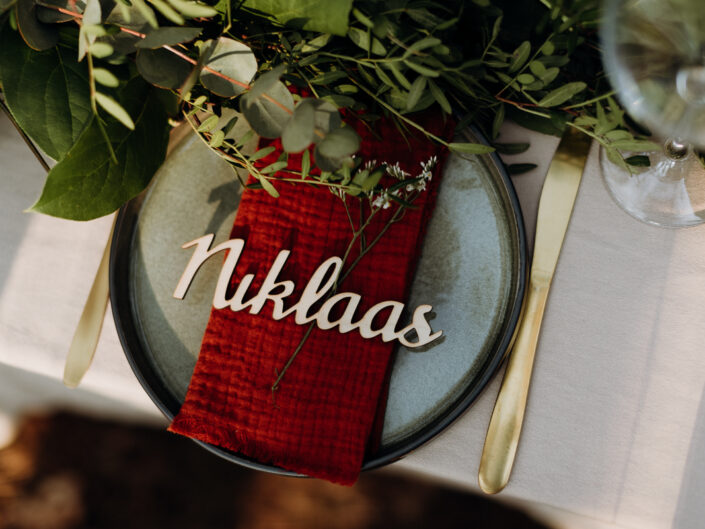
472, 271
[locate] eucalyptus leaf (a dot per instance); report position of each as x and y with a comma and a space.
323, 16
86, 184
439, 96
417, 90
37, 35
47, 92
364, 40
162, 68
234, 60
520, 56
635, 145
193, 9
339, 143
562, 94
470, 148
269, 113
168, 36
115, 109
317, 43
520, 168
105, 77
266, 81
299, 130
168, 12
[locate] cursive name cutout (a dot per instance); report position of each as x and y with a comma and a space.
318, 288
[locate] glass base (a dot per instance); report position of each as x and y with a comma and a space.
670, 193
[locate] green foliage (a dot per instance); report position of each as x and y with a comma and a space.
86, 184
323, 16
288, 67
46, 91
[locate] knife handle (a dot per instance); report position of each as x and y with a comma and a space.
508, 415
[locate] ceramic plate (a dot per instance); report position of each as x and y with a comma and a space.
472, 271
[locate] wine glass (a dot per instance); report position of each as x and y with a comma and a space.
654, 55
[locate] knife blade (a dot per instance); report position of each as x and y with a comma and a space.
558, 195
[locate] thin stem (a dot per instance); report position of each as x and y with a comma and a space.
24, 136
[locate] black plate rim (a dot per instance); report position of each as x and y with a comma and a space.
129, 336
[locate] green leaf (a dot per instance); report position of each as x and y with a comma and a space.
511, 148
300, 129
168, 37
416, 47
208, 124
520, 168
101, 49
339, 143
47, 92
362, 18
162, 68
498, 121
262, 153
146, 11
439, 96
115, 109
562, 94
269, 113
520, 56
470, 148
37, 35
337, 146
267, 186
420, 68
86, 184
234, 60
305, 164
266, 81
316, 44
166, 10
321, 16
639, 160
417, 89
193, 9
635, 145
274, 167
329, 77
364, 40
217, 139
105, 77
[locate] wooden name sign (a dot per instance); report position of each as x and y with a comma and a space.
317, 289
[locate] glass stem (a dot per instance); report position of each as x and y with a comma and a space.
675, 148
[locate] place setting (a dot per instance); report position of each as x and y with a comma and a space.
318, 260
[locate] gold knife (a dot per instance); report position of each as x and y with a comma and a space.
87, 334
555, 208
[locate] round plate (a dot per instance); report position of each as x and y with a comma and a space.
472, 271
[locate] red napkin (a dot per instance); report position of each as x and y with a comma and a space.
320, 419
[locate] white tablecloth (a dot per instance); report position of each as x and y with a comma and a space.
615, 429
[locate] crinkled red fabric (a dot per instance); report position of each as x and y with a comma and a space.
320, 419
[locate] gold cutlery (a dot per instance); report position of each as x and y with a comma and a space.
555, 208
85, 338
